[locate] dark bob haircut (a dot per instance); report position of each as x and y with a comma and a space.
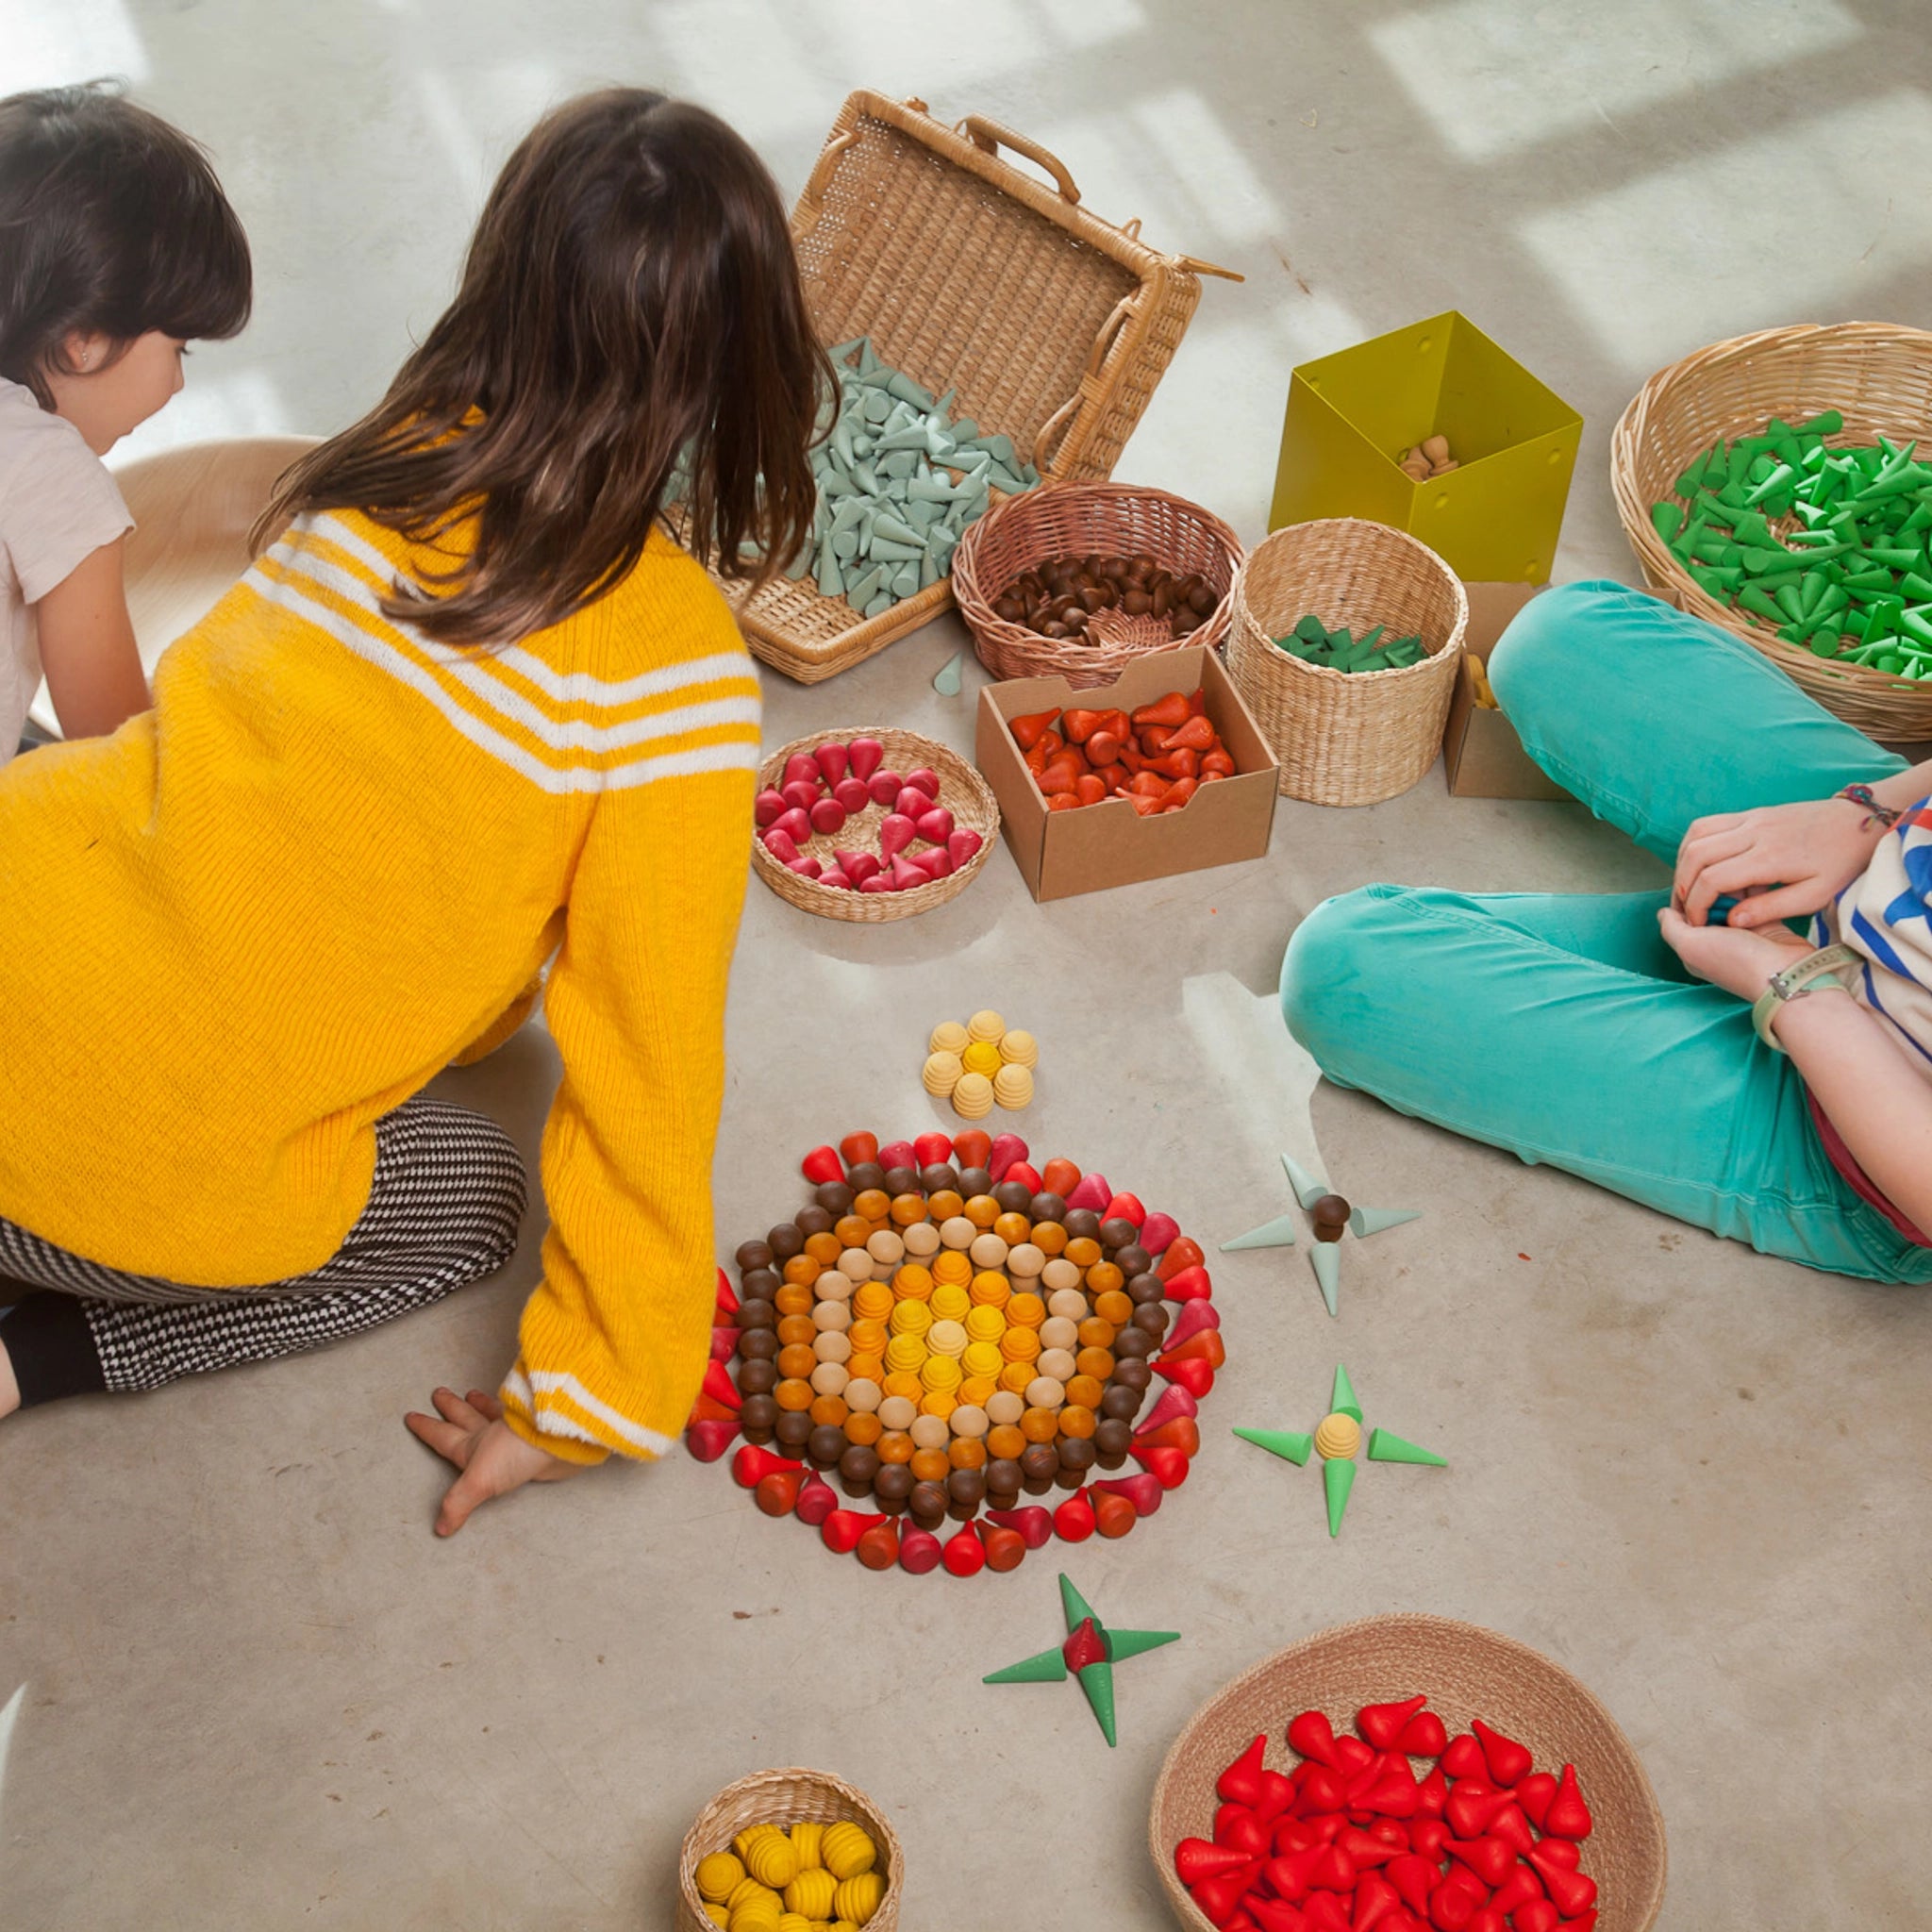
111, 221
630, 346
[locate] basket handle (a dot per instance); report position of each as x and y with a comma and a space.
1052, 431
989, 135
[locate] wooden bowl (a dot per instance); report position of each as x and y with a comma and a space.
1467, 1672
192, 508
793, 1796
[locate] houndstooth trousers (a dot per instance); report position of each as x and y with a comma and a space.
444, 1207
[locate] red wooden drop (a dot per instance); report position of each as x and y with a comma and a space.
1182, 1252
878, 1548
708, 1439
1073, 1522
856, 1149
919, 1551
964, 1554
817, 1499
1568, 1816
822, 1165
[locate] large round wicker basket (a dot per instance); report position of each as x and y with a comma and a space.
1072, 519
1347, 737
786, 1798
1466, 1672
962, 791
1877, 374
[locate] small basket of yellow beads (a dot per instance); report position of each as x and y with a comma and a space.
789, 1851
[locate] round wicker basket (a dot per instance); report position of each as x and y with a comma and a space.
1878, 374
786, 1798
1467, 1672
1347, 737
962, 791
1071, 519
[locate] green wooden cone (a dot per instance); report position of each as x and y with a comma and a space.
1343, 1400
1386, 1446
1338, 1478
1075, 1608
1125, 1643
1283, 1442
1097, 1681
1049, 1667
1308, 1188
1363, 1221
1279, 1233
1327, 1261
947, 682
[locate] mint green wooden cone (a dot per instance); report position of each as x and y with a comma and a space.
1308, 1188
1338, 1478
1327, 1266
1363, 1221
947, 682
1279, 1233
1386, 1446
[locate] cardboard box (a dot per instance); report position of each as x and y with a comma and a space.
1062, 853
1481, 753
1497, 515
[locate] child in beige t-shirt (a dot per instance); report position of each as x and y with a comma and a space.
117, 248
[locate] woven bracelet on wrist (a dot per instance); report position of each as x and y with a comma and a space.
1874, 812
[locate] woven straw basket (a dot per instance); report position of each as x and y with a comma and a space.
786, 1798
1347, 737
969, 273
1071, 519
962, 791
1467, 1672
1878, 374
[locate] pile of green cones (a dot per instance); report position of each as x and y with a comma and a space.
1313, 642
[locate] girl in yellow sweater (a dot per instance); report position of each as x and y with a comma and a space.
473, 709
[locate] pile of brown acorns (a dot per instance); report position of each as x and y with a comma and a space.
1059, 598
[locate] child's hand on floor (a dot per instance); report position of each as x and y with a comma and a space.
1808, 852
1740, 961
493, 1458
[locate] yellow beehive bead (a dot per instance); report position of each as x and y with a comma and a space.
1013, 1089
939, 1374
985, 1323
847, 1852
986, 1026
1338, 1436
743, 1839
859, 1897
942, 1071
982, 1358
911, 1318
1020, 1049
772, 1861
808, 1841
949, 1037
950, 1301
982, 1057
795, 1921
719, 1875
757, 1915
811, 1892
906, 1355
717, 1914
971, 1097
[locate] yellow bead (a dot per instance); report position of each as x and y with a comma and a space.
743, 1839
950, 1301
811, 1892
1338, 1436
982, 1057
719, 1875
796, 1922
904, 1385
906, 1355
847, 1852
859, 1897
941, 1373
717, 1914
982, 1358
984, 1321
911, 1318
772, 1861
757, 1915
808, 1839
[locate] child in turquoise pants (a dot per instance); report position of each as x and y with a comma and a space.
1566, 1028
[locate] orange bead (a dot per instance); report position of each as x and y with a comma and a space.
863, 1427
1095, 1333
867, 1336
802, 1270
853, 1232
1105, 1278
1050, 1238
966, 1452
1096, 1362
1112, 1306
1077, 1419
982, 1210
793, 1300
1013, 1229
1025, 1311
797, 1361
990, 1289
895, 1445
953, 1268
792, 1394
903, 1382
875, 1204
1082, 1252
977, 1390
912, 1283
823, 1248
1083, 1392
944, 1205
830, 1411
907, 1208
1040, 1426
1018, 1345
1005, 1441
794, 1328
866, 1366
930, 1466
1016, 1378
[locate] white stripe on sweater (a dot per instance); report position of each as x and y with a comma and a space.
529, 1390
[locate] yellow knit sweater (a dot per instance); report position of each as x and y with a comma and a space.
265, 913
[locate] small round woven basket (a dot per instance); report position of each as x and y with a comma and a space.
786, 1798
1466, 1672
1071, 519
1877, 374
962, 791
1347, 737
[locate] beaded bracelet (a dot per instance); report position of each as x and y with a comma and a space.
1874, 812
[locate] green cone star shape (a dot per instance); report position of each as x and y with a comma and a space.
1330, 1213
1337, 1439
1091, 1650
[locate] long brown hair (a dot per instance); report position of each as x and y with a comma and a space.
630, 325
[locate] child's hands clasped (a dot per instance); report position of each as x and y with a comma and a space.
494, 1460
1741, 962
1790, 860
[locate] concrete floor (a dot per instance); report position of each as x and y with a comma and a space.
254, 1692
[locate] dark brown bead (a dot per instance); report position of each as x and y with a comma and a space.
758, 1412
756, 1345
785, 1241
928, 1502
868, 1174
901, 1180
1117, 1234
1132, 1374
892, 1486
1152, 1318
939, 1179
761, 1285
1040, 1459
1046, 1207
1119, 1403
813, 1221
752, 1255
1013, 1197
793, 1430
967, 1486
1131, 1343
1081, 1224
1330, 1211
1134, 1260
758, 1378
1330, 1230
1145, 1287
1037, 1485
1076, 1455
835, 1197
825, 1444
1112, 1439
859, 1465
1003, 1477
975, 1181
755, 1315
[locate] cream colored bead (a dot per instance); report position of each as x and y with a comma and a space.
830, 1378
949, 1037
988, 1251
1059, 1272
1338, 1436
1020, 1049
943, 1072
1013, 1089
972, 1097
1057, 1362
855, 1265
986, 1024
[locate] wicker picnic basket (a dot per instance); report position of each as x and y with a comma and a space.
962, 791
1877, 374
1466, 1672
1072, 520
1347, 737
1053, 325
785, 1798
